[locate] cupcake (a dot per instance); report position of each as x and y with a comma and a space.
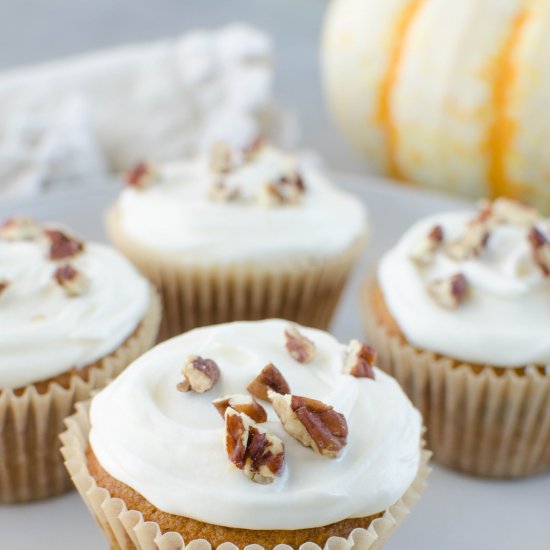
239, 235
73, 314
249, 433
459, 310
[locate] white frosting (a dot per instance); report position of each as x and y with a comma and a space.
43, 331
169, 446
177, 216
503, 322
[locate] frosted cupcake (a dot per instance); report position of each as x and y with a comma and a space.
460, 310
249, 433
73, 314
239, 235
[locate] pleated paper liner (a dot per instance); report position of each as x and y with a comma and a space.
482, 421
127, 529
31, 466
195, 295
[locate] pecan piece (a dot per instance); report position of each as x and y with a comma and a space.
62, 245
485, 213
265, 456
237, 428
507, 210
3, 286
541, 249
300, 348
269, 378
142, 175
241, 403
313, 423
270, 195
253, 148
221, 161
449, 292
360, 360
286, 190
73, 282
221, 192
200, 375
472, 243
251, 449
425, 248
20, 228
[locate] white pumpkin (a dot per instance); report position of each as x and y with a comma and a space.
453, 94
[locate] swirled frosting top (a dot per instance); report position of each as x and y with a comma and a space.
474, 286
236, 206
168, 445
63, 303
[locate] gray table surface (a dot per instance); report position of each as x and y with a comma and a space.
456, 512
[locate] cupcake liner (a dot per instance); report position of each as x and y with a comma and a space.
194, 295
31, 466
484, 421
127, 529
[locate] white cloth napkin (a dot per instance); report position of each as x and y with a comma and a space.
80, 117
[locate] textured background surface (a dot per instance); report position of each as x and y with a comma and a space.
38, 30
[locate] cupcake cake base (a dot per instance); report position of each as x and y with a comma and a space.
481, 420
32, 417
142, 526
194, 295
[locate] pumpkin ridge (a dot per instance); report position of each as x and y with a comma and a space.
503, 128
384, 111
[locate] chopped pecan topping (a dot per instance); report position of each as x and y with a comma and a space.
265, 456
142, 175
20, 228
426, 247
541, 249
485, 213
62, 245
73, 282
200, 375
237, 426
250, 448
269, 379
300, 348
270, 195
286, 190
507, 210
472, 243
436, 234
449, 292
251, 150
3, 286
221, 192
313, 423
221, 161
241, 403
360, 360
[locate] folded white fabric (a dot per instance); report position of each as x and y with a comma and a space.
107, 110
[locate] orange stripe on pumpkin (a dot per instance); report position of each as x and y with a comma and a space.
384, 111
503, 129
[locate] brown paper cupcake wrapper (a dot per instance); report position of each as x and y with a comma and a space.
31, 466
481, 420
194, 295
127, 529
